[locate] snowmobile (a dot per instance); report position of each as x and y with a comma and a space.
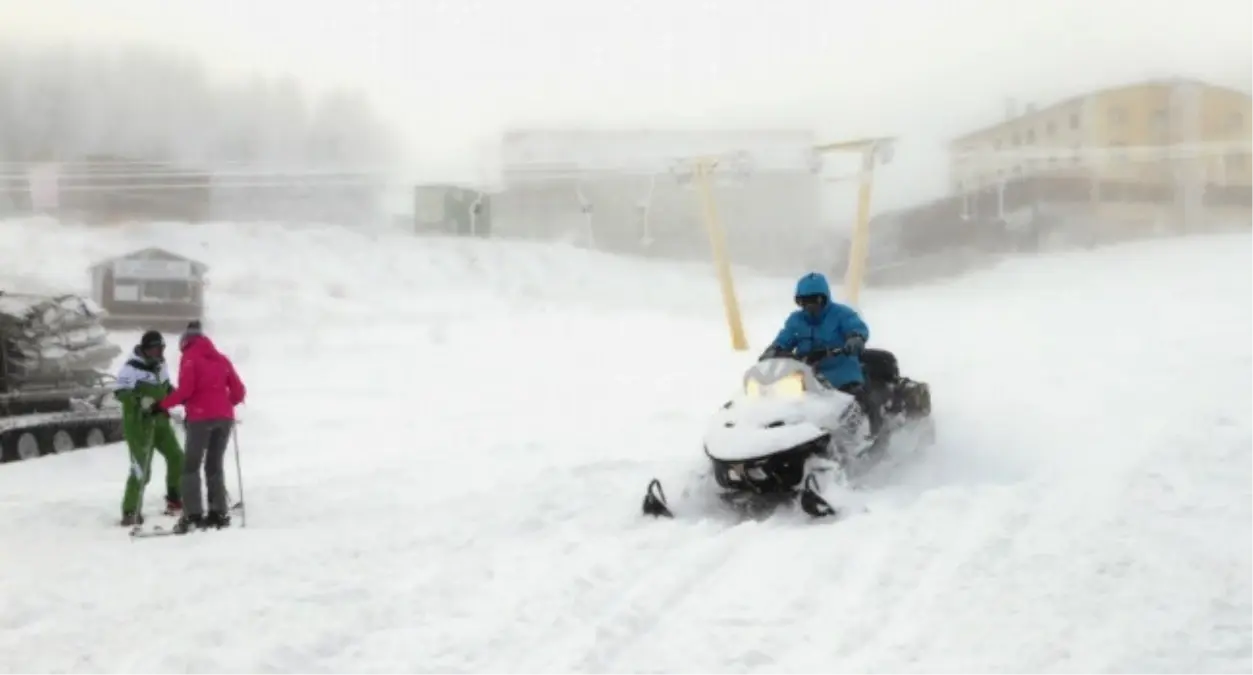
787, 429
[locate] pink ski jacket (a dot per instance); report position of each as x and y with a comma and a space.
208, 386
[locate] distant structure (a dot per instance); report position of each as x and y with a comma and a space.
108, 189
453, 210
150, 288
631, 191
1138, 160
294, 194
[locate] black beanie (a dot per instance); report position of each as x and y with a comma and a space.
151, 339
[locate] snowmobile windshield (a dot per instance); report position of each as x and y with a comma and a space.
789, 386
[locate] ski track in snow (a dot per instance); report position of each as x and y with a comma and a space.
447, 442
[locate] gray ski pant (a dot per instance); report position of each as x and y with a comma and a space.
206, 442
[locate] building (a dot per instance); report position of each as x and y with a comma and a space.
149, 289
107, 189
1170, 154
632, 192
1141, 160
452, 209
1124, 133
289, 194
1144, 159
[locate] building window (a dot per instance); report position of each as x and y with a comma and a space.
1050, 129
1235, 121
1030, 137
1074, 120
1161, 122
152, 290
1120, 153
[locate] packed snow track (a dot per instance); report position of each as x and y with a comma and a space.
446, 443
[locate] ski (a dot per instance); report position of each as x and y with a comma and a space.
147, 531
159, 531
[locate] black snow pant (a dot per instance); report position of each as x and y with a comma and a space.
861, 393
206, 442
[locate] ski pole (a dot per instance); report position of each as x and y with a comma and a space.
239, 477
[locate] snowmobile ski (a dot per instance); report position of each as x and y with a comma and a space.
655, 501
812, 502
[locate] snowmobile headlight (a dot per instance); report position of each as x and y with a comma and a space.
792, 386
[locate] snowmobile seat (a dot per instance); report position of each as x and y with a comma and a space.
879, 365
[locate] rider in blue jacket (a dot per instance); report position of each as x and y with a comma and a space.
822, 325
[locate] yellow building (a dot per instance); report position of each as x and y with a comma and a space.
1135, 132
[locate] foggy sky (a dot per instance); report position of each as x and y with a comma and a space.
453, 73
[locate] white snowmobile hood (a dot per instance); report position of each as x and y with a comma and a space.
756, 427
745, 443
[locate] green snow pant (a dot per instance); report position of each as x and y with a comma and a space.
149, 434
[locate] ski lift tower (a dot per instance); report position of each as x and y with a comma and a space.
873, 151
701, 172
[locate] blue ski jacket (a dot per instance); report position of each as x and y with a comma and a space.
834, 323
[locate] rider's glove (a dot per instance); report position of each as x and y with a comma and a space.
853, 344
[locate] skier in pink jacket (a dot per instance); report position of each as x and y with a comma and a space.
208, 389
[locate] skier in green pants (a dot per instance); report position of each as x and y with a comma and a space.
143, 380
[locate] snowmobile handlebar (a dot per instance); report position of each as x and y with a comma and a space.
814, 357
809, 358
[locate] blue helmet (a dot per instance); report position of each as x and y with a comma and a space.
813, 283
813, 293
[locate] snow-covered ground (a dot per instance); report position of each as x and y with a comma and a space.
446, 445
